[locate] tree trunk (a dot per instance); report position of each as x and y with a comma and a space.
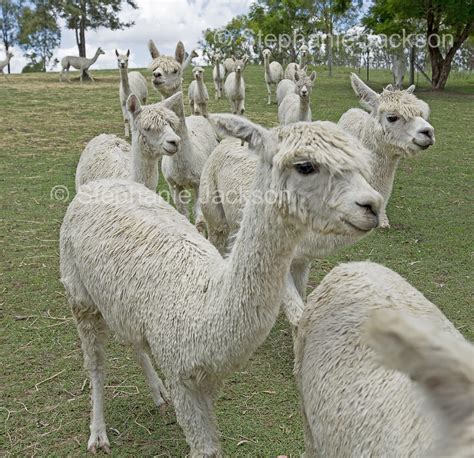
412, 66
7, 47
329, 46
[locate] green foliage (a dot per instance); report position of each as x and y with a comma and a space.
39, 35
9, 21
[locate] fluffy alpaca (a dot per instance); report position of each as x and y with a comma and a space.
153, 126
226, 184
166, 290
79, 63
4, 63
398, 71
285, 87
235, 87
351, 405
197, 93
296, 106
293, 67
130, 83
218, 74
273, 73
229, 64
397, 126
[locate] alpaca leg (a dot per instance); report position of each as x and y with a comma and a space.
216, 94
300, 273
180, 201
194, 408
93, 333
203, 110
199, 220
89, 75
384, 223
292, 303
310, 449
81, 71
158, 390
191, 105
269, 93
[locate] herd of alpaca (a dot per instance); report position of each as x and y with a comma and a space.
199, 299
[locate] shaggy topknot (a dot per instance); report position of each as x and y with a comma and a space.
406, 104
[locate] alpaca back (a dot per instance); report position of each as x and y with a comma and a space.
351, 405
105, 156
284, 88
276, 73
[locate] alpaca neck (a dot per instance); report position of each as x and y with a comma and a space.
302, 61
96, 56
382, 177
218, 69
124, 81
238, 79
255, 274
304, 108
183, 159
266, 62
200, 88
145, 163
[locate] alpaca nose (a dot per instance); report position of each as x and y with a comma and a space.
158, 75
368, 206
427, 132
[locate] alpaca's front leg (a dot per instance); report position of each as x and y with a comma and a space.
126, 122
181, 201
194, 408
269, 93
199, 220
300, 273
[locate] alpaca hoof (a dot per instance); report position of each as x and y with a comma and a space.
98, 440
384, 225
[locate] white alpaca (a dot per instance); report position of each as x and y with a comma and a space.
398, 71
285, 87
130, 83
351, 406
235, 88
218, 74
296, 106
293, 67
153, 126
166, 290
397, 126
229, 64
273, 73
80, 63
197, 93
4, 63
183, 171
226, 184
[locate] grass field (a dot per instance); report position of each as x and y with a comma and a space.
45, 399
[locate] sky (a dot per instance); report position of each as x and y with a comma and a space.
166, 22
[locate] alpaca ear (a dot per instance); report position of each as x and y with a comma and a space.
389, 88
441, 363
128, 52
245, 60
133, 105
297, 76
116, 53
179, 53
175, 104
153, 49
411, 89
368, 98
312, 77
259, 138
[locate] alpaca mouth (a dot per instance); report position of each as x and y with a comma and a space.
357, 228
170, 150
423, 146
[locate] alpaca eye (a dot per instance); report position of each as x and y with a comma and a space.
306, 168
175, 71
392, 118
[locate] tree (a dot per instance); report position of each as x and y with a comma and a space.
437, 19
9, 23
39, 34
83, 15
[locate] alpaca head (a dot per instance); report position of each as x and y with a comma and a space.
9, 55
198, 73
316, 172
304, 51
167, 71
156, 123
441, 364
401, 117
266, 53
239, 64
99, 51
122, 59
304, 83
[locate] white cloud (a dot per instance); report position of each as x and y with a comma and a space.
165, 21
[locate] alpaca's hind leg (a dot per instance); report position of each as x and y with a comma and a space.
203, 110
191, 106
93, 333
300, 273
158, 390
194, 408
181, 201
199, 220
88, 73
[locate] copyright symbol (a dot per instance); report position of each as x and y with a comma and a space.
222, 37
59, 193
